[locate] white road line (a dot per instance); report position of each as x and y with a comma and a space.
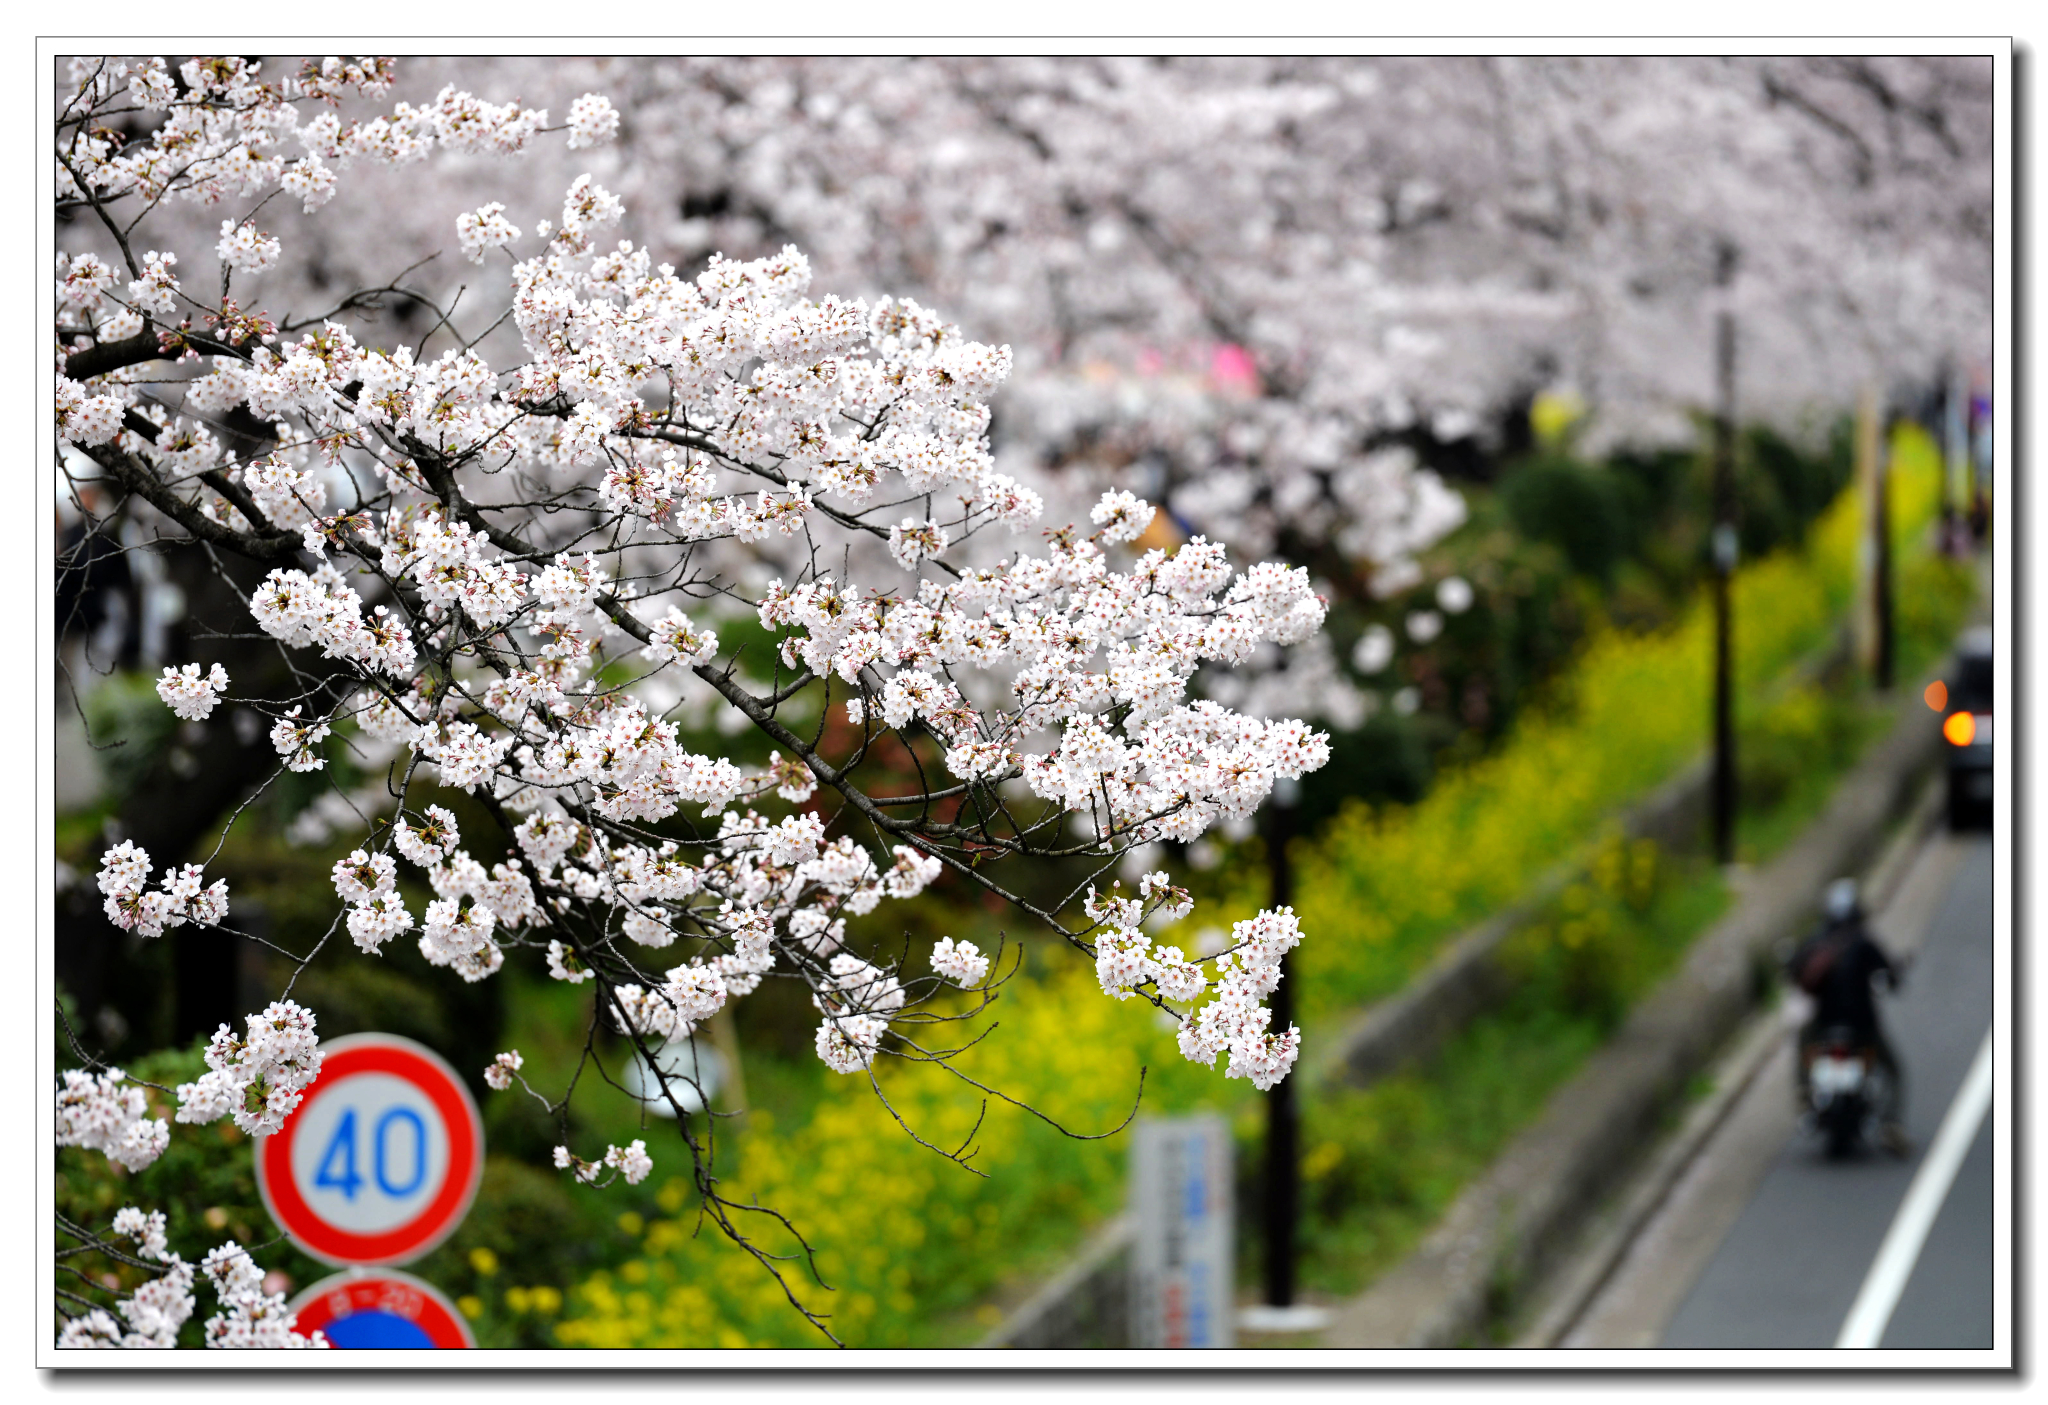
1903, 1241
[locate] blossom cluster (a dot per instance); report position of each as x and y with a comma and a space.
1083, 639
257, 1079
105, 1113
959, 962
503, 1069
688, 995
630, 1161
471, 905
189, 695
84, 418
1235, 1022
157, 1308
229, 130
249, 1319
369, 884
123, 876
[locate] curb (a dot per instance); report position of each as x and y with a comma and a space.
1509, 1227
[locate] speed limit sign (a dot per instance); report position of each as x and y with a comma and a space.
381, 1161
384, 1308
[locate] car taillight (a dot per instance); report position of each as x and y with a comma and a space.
1967, 729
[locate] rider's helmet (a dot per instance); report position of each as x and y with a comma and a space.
1840, 900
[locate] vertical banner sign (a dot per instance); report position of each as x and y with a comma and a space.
381, 1161
1182, 1284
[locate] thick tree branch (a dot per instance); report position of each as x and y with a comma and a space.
271, 546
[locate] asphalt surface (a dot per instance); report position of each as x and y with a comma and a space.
1789, 1266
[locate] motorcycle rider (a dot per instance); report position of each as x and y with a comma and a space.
1836, 966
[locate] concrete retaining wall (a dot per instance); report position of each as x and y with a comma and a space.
1087, 1305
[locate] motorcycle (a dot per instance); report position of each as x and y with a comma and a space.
1848, 1091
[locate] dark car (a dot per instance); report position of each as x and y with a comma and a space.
1967, 732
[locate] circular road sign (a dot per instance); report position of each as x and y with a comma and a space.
361, 1308
382, 1159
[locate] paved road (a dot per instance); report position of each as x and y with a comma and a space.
1765, 1242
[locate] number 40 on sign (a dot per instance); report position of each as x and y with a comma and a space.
381, 1161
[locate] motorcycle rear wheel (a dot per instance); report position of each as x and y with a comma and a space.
1843, 1125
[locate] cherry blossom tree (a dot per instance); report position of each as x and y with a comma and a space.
1369, 250
1839, 206
1357, 258
504, 580
505, 523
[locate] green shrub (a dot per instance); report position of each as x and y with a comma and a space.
1589, 512
131, 730
1782, 488
1805, 731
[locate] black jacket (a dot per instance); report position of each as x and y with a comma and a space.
1846, 960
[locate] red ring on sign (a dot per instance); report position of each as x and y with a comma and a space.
442, 1323
377, 1053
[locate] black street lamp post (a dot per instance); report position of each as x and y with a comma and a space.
1283, 1113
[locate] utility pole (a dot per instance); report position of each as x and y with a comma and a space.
1280, 1210
1724, 545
